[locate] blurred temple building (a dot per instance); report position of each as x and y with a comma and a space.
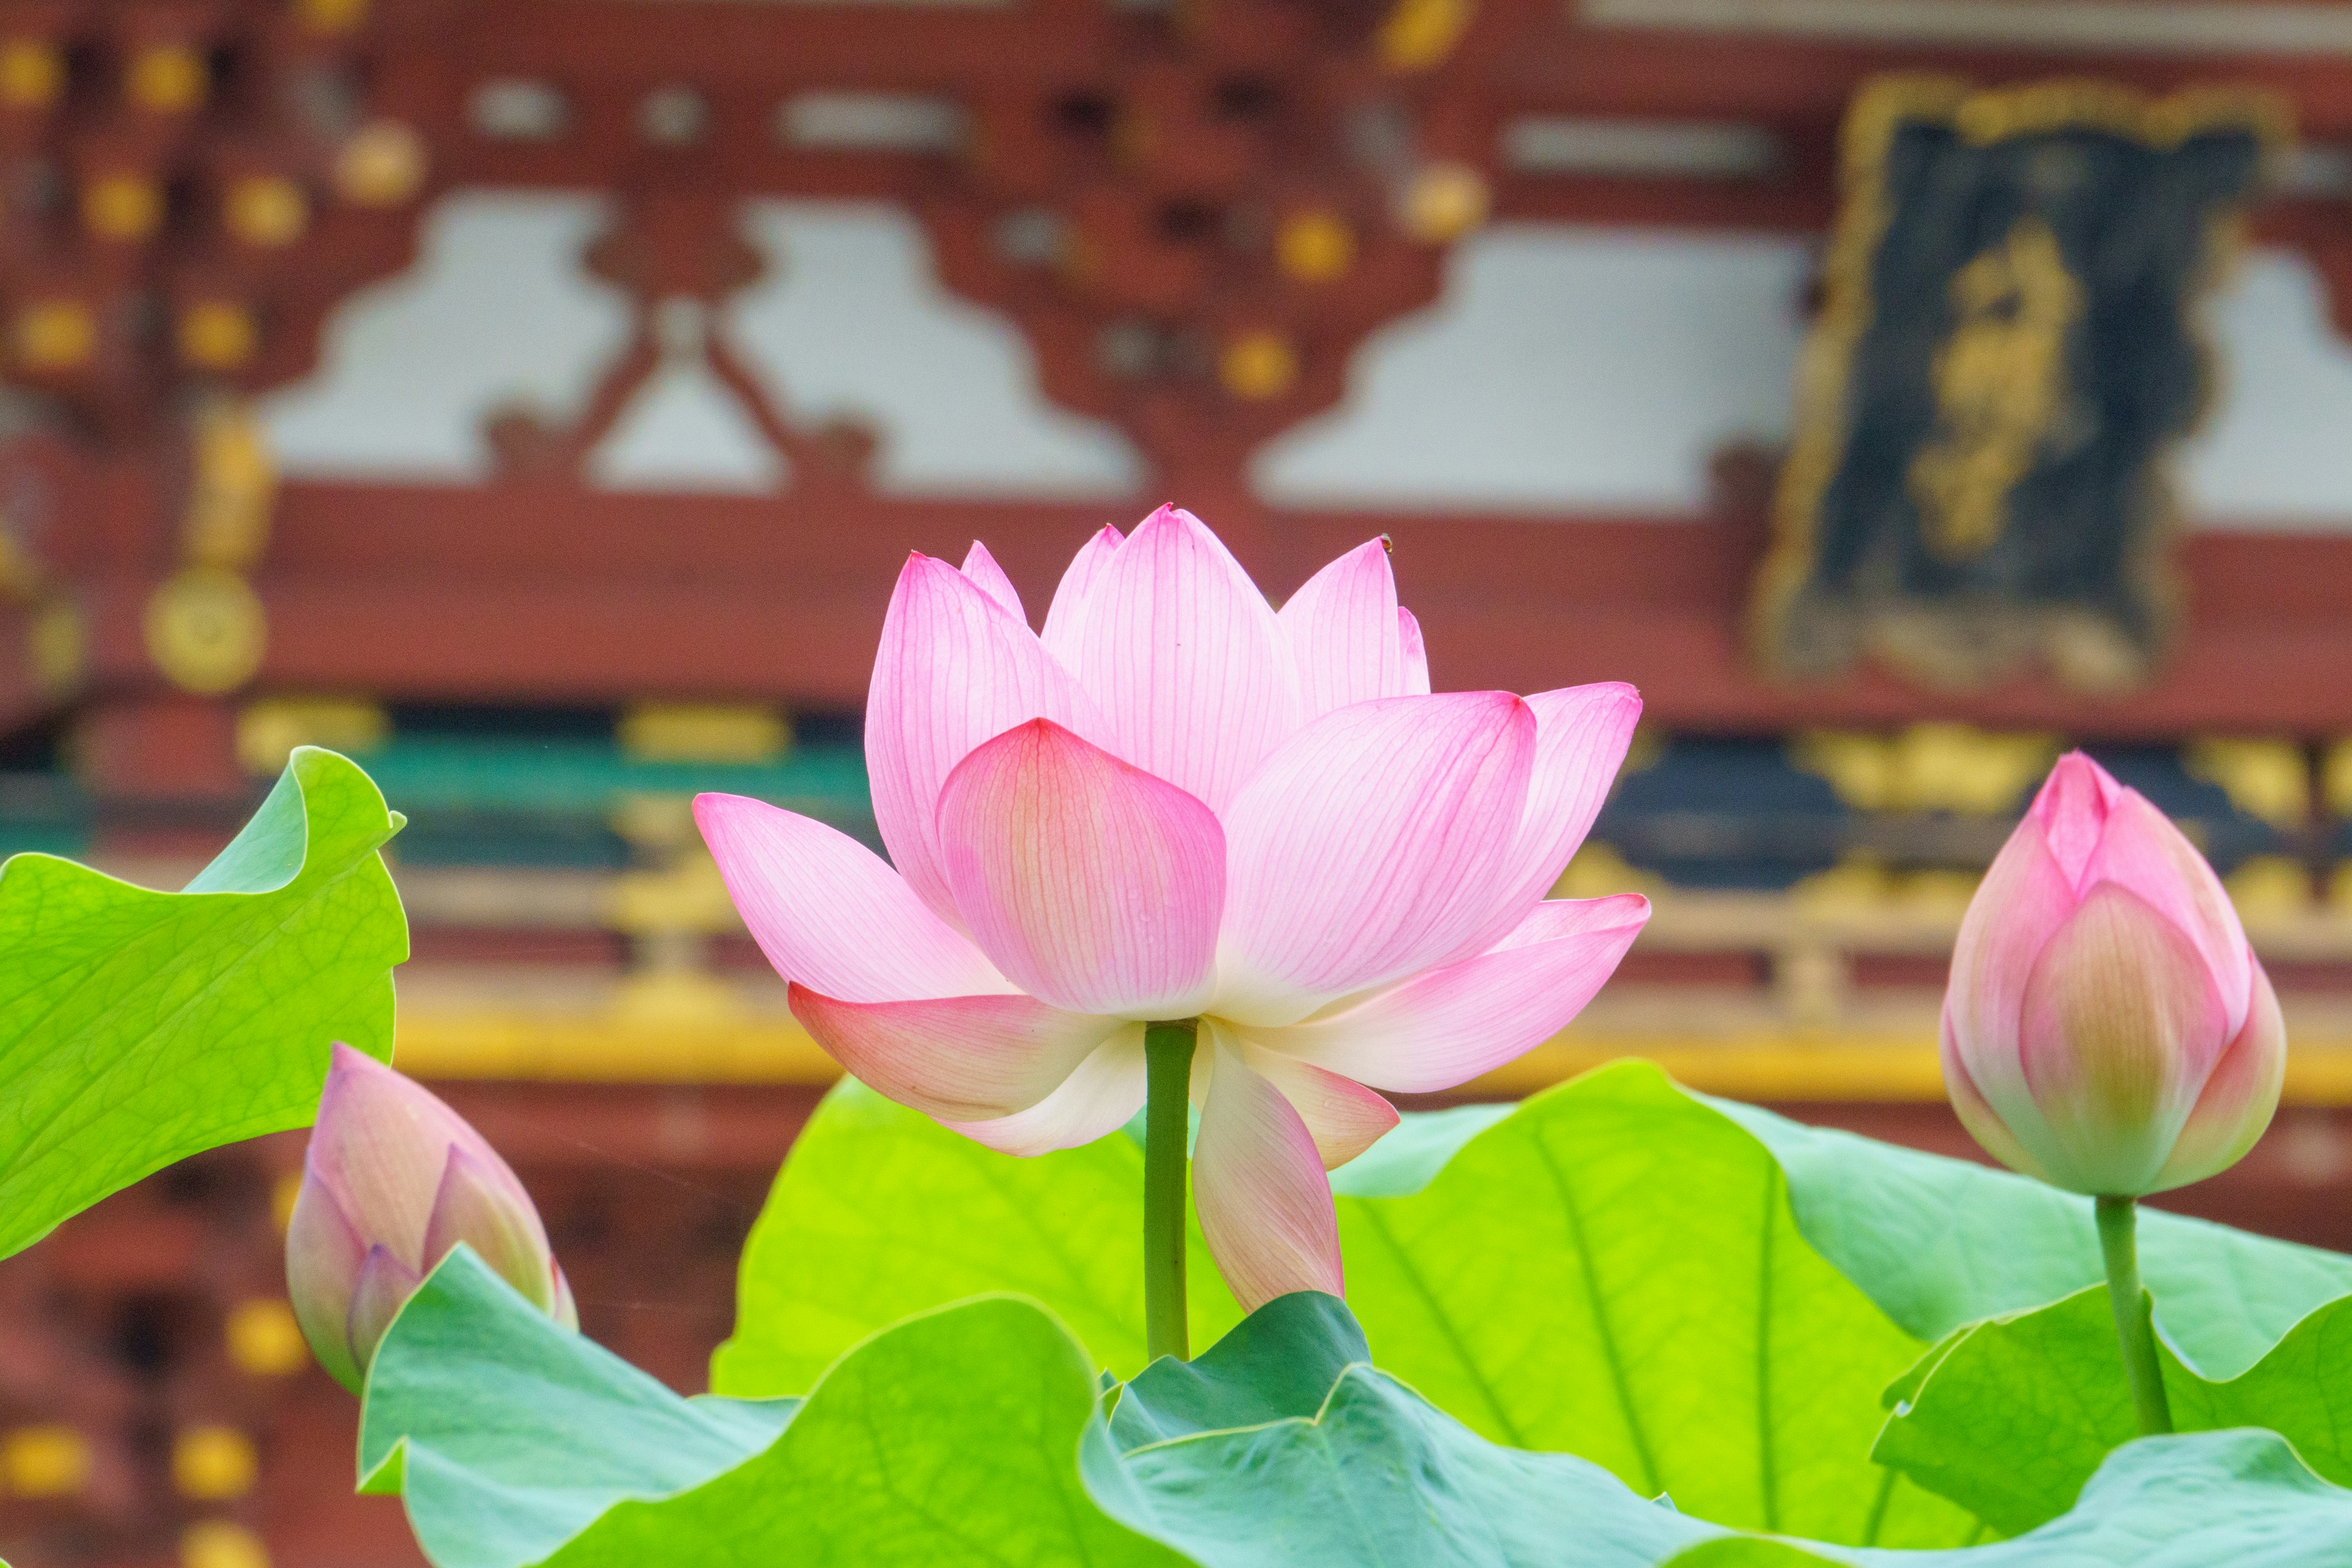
535, 400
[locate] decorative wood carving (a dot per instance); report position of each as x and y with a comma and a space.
1196, 214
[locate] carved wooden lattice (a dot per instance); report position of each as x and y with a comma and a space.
1195, 213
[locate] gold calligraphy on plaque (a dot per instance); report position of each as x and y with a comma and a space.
2001, 384
1978, 479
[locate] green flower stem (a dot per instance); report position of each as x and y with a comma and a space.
1167, 1122
2118, 1220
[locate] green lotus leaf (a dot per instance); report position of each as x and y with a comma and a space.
880, 1212
2013, 1416
973, 1434
952, 1437
1705, 1298
508, 1441
139, 1027
1375, 1475
1378, 1476
1612, 1270
1615, 1271
1279, 1362
1745, 1551
2240, 1498
1940, 1243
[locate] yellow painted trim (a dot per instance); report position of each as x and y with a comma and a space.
1763, 1068
1794, 1065
610, 1048
1833, 1067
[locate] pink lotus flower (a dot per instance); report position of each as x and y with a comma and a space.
2108, 1029
1177, 804
392, 1181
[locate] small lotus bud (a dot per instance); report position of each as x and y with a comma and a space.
393, 1179
2108, 1029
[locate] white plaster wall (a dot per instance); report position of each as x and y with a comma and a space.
495, 309
1564, 369
2275, 450
849, 322
1588, 367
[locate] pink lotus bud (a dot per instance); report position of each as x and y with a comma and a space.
393, 1179
2108, 1029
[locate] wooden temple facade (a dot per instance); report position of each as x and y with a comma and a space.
1196, 212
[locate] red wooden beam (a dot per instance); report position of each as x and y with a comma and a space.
908, 49
516, 593
1674, 73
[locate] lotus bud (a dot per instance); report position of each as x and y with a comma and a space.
393, 1179
2108, 1029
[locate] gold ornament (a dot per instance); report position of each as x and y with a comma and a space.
206, 630
1315, 247
332, 15
32, 73
167, 79
2001, 389
1443, 202
55, 334
50, 1460
704, 732
217, 1543
57, 645
217, 335
1418, 34
2270, 779
267, 210
212, 1464
264, 1340
232, 490
1927, 767
268, 731
121, 206
2336, 778
381, 165
2271, 885
1258, 365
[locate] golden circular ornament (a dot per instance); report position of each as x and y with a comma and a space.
1443, 202
206, 630
381, 165
1258, 365
1315, 247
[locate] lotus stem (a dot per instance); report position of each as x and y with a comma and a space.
1167, 1123
2118, 1240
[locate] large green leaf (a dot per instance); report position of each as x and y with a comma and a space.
1612, 1270
1941, 1243
972, 1435
1277, 1362
881, 1211
2014, 1414
952, 1437
508, 1441
1375, 1475
1705, 1298
2216, 1500
138, 1027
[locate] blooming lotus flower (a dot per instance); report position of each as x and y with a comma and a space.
1177, 804
2108, 1029
392, 1181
